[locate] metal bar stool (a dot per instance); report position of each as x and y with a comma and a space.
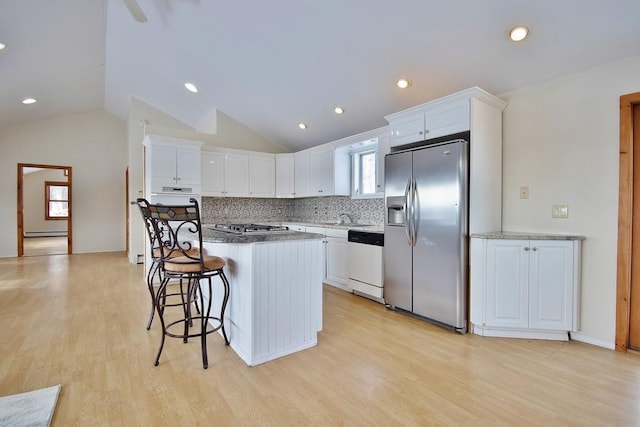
180, 226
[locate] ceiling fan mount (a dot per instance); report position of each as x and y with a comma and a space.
135, 10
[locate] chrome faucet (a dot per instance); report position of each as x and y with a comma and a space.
351, 221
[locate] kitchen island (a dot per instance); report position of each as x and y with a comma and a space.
275, 303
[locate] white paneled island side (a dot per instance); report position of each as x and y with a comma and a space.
275, 303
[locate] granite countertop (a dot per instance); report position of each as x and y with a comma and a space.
213, 236
514, 235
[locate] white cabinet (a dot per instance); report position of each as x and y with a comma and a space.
525, 288
238, 173
262, 175
337, 256
432, 120
172, 165
212, 174
301, 174
329, 173
285, 175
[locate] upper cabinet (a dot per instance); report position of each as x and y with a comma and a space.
285, 175
172, 165
262, 175
329, 173
238, 173
433, 120
301, 174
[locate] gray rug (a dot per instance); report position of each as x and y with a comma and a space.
34, 408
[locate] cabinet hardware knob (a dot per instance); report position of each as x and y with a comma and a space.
420, 133
534, 249
526, 248
426, 131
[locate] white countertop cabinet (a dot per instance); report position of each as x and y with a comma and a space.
525, 288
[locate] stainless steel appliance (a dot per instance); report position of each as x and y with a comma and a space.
248, 228
425, 250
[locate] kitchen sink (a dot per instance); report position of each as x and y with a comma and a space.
342, 224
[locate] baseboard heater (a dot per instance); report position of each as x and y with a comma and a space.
45, 233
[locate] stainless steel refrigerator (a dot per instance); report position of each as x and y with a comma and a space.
425, 233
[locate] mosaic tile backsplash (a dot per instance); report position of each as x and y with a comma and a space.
313, 209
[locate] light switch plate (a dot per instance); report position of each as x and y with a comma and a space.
524, 192
560, 211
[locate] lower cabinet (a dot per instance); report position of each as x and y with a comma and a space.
525, 288
337, 257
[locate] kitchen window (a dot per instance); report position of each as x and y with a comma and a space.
56, 200
365, 174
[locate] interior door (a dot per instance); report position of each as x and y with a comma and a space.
634, 309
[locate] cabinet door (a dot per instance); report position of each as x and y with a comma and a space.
407, 130
212, 174
262, 176
163, 165
315, 173
507, 283
551, 284
285, 176
188, 168
383, 150
337, 260
327, 175
236, 175
301, 181
446, 119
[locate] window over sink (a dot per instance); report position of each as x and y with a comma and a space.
365, 172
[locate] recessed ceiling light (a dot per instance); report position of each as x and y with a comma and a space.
191, 87
29, 101
518, 33
403, 83
338, 109
2, 45
302, 125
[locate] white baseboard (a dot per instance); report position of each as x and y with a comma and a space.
590, 340
62, 233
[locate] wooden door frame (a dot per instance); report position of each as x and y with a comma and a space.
20, 204
625, 219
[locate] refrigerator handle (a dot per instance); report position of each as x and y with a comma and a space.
407, 205
414, 197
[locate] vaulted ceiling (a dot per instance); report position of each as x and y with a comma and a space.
273, 64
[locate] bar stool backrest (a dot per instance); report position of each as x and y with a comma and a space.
177, 227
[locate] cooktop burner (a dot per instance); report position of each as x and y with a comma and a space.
248, 228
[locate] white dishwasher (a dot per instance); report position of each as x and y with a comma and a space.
364, 250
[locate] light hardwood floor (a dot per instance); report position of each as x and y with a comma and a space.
35, 246
79, 321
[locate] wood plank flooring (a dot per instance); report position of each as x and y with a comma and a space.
79, 321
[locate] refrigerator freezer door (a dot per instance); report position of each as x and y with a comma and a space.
397, 248
439, 257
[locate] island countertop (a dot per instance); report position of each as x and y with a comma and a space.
215, 236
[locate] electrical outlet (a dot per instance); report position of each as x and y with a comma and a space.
560, 211
524, 192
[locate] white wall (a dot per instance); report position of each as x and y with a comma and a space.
33, 198
561, 139
93, 144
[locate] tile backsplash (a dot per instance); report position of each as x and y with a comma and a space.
312, 209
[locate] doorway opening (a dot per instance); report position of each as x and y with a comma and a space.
44, 209
628, 280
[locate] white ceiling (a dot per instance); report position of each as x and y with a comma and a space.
271, 64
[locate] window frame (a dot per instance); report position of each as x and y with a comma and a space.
47, 200
356, 176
